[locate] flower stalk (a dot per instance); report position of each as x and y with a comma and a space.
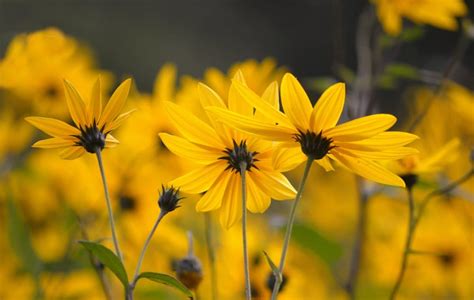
408, 242
109, 205
289, 228
243, 169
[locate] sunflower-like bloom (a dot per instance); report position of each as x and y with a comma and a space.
220, 152
441, 14
93, 123
307, 132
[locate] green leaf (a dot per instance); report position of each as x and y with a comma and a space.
109, 259
275, 270
20, 240
305, 235
167, 280
402, 71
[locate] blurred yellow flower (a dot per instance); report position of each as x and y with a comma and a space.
219, 150
310, 132
93, 124
438, 13
35, 64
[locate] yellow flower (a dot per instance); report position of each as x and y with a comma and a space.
416, 165
441, 14
35, 64
307, 132
93, 124
220, 151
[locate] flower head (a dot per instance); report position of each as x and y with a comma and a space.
169, 199
441, 14
220, 151
312, 132
92, 123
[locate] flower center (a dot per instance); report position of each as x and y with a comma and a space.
314, 145
91, 138
239, 154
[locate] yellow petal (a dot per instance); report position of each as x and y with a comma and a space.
287, 156
53, 143
95, 104
361, 128
165, 82
271, 96
77, 107
296, 103
208, 97
116, 103
186, 149
201, 179
236, 101
213, 198
192, 128
389, 154
381, 141
111, 141
328, 109
118, 121
325, 163
231, 208
274, 184
249, 125
440, 158
264, 107
257, 201
369, 169
72, 152
53, 127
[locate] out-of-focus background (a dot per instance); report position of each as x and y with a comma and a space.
422, 71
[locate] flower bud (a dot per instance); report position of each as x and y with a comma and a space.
189, 269
169, 199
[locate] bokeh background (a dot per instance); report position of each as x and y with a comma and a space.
47, 204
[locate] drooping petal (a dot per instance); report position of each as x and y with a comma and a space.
264, 107
231, 208
77, 107
53, 127
369, 169
325, 163
201, 179
116, 103
192, 128
381, 141
328, 109
274, 184
95, 104
287, 156
54, 143
186, 149
249, 125
72, 152
118, 121
257, 201
361, 128
212, 199
295, 101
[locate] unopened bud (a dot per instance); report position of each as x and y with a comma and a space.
189, 269
169, 199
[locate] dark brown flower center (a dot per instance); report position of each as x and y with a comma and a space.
314, 145
238, 155
91, 138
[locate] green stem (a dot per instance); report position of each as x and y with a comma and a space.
406, 251
109, 206
145, 246
211, 254
248, 291
289, 228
